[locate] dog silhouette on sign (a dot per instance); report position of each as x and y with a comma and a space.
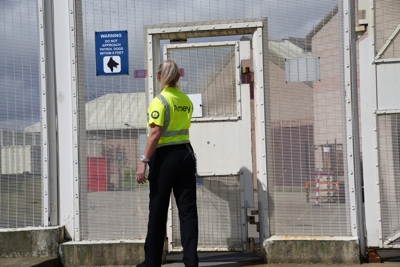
112, 64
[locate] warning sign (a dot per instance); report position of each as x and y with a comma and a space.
112, 53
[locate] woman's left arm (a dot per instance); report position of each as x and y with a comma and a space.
151, 145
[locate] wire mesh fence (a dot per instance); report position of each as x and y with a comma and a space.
219, 211
20, 140
309, 177
389, 165
307, 125
211, 73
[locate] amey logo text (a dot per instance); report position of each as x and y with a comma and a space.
182, 108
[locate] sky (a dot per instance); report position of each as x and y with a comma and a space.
19, 71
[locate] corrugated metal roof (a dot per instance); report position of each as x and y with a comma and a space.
35, 128
196, 23
113, 112
281, 50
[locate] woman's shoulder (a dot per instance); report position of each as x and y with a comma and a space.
186, 97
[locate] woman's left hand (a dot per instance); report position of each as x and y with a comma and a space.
151, 145
140, 173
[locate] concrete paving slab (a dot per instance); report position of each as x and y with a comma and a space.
391, 258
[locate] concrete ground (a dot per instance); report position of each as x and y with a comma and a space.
391, 258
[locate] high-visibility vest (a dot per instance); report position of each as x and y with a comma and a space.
177, 116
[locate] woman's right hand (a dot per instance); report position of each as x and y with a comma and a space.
140, 173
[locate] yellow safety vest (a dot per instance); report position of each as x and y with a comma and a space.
172, 110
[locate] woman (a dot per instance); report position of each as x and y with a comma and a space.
172, 166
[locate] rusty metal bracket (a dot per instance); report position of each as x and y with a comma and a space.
373, 256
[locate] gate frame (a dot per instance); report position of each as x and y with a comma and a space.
369, 64
369, 130
369, 80
259, 30
239, 115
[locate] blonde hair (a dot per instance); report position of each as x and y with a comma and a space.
169, 73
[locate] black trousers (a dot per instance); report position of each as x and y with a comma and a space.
172, 168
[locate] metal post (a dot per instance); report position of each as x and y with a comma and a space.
44, 112
368, 103
64, 80
51, 114
75, 114
349, 104
356, 133
262, 122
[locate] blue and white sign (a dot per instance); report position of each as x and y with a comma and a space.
112, 53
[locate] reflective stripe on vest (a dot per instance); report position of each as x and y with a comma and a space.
167, 119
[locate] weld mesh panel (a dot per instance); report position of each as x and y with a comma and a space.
307, 134
211, 72
112, 122
387, 19
20, 180
218, 206
389, 169
305, 117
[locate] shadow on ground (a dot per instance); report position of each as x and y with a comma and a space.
390, 255
219, 259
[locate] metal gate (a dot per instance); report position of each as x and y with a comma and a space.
380, 113
221, 124
221, 137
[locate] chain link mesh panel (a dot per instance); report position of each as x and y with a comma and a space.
113, 205
20, 140
308, 180
389, 168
